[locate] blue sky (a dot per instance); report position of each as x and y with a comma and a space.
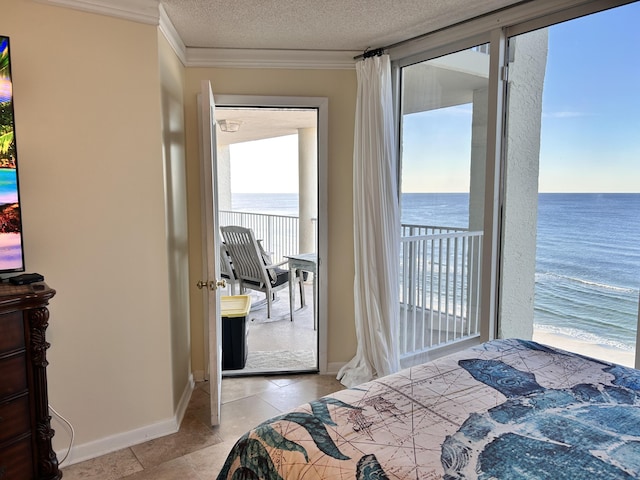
437, 150
590, 139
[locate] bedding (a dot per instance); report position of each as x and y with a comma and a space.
507, 409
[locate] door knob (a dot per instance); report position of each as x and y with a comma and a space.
211, 285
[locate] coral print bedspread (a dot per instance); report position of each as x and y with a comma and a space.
508, 409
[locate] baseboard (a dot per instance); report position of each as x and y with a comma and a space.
181, 409
198, 376
102, 446
112, 443
334, 367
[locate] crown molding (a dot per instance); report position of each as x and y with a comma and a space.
259, 58
172, 36
151, 12
141, 11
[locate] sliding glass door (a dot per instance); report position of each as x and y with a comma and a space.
520, 181
444, 136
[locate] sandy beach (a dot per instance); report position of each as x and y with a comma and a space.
601, 352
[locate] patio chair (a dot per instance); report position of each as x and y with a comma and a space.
253, 266
226, 269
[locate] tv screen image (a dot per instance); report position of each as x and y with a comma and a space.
11, 253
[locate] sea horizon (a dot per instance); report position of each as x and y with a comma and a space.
587, 257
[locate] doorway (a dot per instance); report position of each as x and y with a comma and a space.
270, 159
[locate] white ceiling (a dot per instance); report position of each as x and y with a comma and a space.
292, 25
328, 25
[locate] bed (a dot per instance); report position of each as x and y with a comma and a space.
507, 409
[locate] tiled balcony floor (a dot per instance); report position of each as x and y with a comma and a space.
280, 334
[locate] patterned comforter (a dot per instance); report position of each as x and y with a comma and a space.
508, 409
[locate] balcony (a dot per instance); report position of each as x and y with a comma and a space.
439, 283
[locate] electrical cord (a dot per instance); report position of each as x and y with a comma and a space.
73, 433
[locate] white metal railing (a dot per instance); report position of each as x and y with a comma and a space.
439, 287
278, 233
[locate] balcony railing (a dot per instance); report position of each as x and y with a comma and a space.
439, 284
439, 288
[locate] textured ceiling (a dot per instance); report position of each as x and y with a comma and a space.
338, 25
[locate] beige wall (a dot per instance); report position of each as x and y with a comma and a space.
339, 86
104, 111
172, 76
88, 115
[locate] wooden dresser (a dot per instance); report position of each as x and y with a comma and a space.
25, 430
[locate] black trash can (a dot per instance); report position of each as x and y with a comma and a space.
234, 313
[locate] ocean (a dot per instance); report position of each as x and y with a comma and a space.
587, 258
588, 267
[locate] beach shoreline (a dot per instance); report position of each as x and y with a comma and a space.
600, 352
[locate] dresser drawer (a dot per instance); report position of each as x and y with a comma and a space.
11, 332
16, 461
13, 376
14, 418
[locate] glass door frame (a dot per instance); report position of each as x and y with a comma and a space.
494, 29
321, 105
493, 166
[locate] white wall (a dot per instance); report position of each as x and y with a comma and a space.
88, 128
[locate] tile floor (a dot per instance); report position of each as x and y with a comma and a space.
279, 333
197, 451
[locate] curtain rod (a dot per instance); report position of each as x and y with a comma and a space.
371, 53
379, 51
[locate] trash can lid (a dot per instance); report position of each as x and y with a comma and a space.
235, 306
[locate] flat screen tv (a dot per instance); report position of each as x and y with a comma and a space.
11, 254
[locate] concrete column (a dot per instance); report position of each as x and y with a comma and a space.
308, 188
478, 158
520, 212
224, 177
476, 192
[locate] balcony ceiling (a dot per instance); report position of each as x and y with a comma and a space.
258, 124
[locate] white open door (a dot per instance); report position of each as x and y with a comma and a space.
210, 248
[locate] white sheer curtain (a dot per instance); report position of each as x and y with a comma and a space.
376, 227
